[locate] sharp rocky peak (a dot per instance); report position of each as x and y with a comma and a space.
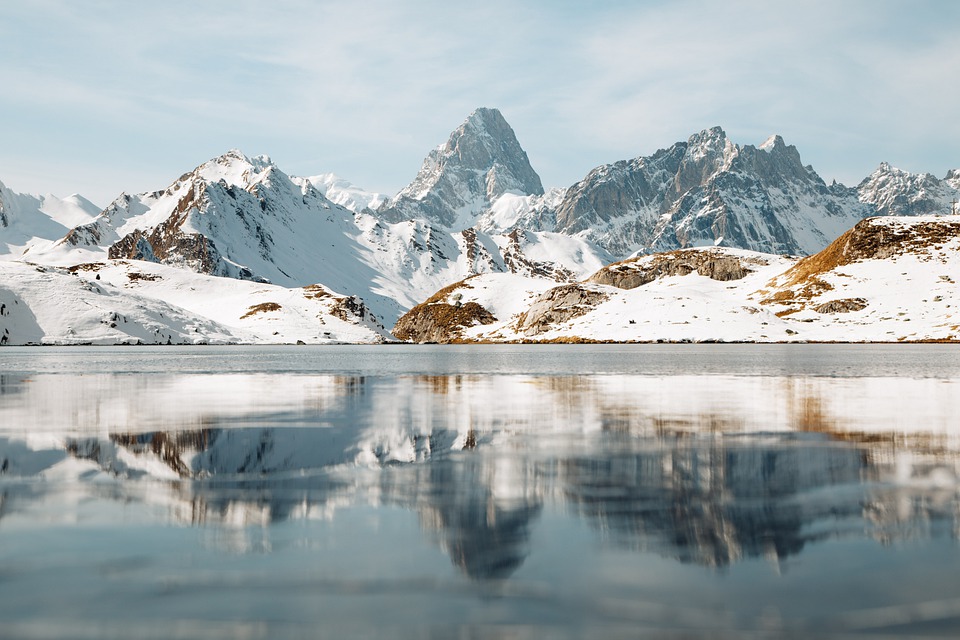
893, 191
706, 153
459, 180
484, 120
953, 178
773, 143
712, 140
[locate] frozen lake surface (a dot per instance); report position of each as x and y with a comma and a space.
572, 491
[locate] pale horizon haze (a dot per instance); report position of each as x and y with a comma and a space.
104, 97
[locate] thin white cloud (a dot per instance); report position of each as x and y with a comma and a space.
366, 88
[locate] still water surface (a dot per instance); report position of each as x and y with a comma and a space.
480, 492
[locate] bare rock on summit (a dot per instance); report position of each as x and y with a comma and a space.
708, 191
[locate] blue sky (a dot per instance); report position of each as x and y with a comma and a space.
102, 97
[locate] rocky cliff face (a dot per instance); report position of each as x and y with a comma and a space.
459, 180
893, 192
707, 191
558, 305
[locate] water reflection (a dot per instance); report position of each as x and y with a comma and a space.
701, 472
709, 499
704, 469
715, 505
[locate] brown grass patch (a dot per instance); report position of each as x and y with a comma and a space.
870, 240
315, 292
575, 340
263, 307
441, 295
86, 266
440, 322
147, 277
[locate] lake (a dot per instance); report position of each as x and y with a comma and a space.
507, 491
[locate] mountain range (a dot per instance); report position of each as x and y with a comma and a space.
476, 206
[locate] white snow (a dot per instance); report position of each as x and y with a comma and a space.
908, 297
142, 302
345, 193
27, 221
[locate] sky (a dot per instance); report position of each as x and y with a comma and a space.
102, 97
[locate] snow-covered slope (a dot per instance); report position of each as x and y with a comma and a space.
129, 302
26, 220
462, 178
50, 305
888, 279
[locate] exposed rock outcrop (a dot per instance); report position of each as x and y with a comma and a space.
845, 305
874, 239
517, 261
636, 272
443, 317
558, 305
351, 309
440, 322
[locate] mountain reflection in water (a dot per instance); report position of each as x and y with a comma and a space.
707, 479
708, 470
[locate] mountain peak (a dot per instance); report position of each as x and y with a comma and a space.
885, 167
714, 137
773, 143
711, 144
236, 168
484, 116
460, 179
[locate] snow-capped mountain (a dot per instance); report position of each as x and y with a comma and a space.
345, 193
894, 192
27, 220
709, 191
462, 178
244, 218
476, 207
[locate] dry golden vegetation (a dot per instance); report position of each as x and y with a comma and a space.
440, 322
263, 307
86, 266
441, 295
315, 292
